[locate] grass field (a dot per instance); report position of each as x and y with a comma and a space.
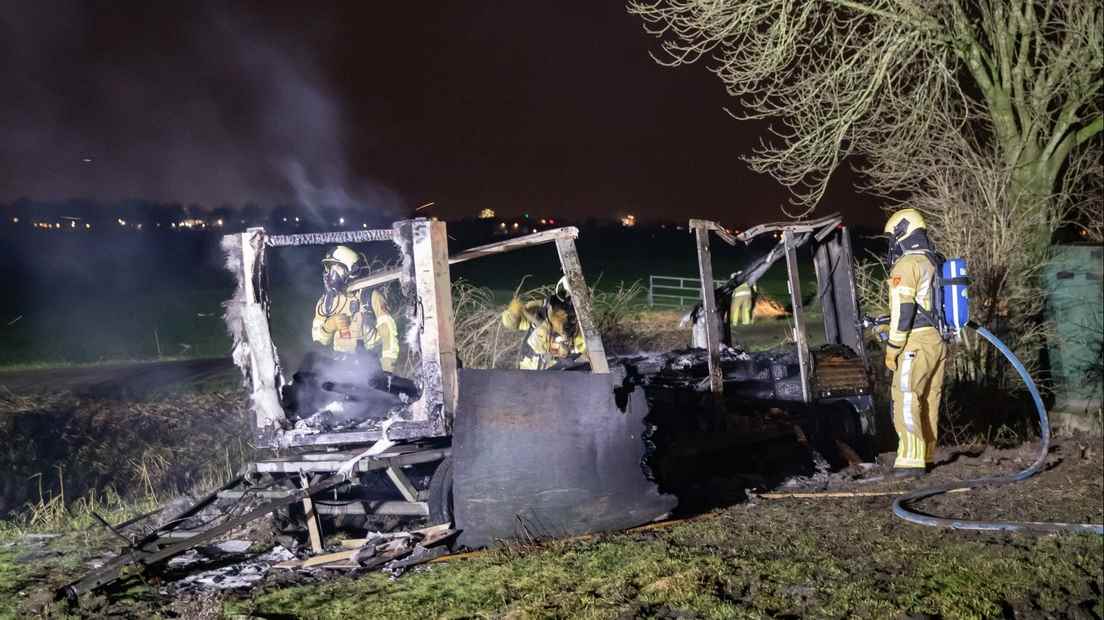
845, 557
766, 558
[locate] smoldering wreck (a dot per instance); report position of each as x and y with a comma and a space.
461, 454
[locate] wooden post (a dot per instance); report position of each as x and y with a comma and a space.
313, 530
709, 306
580, 298
799, 315
264, 364
491, 249
436, 339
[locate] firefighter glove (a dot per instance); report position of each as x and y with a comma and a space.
891, 357
515, 308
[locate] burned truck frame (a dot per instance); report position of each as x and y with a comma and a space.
480, 424
512, 453
837, 372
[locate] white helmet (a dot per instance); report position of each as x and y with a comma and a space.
563, 288
338, 265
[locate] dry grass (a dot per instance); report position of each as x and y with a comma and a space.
768, 308
12, 403
482, 341
70, 457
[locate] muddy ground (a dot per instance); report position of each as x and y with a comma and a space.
750, 556
788, 557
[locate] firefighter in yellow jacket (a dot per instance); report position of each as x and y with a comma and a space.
741, 309
553, 333
383, 337
915, 352
339, 316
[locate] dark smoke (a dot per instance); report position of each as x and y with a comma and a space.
201, 104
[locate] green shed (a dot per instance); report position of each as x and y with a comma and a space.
1075, 303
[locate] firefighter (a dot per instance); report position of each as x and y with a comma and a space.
915, 351
382, 338
741, 310
339, 317
552, 332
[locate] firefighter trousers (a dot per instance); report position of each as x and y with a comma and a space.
741, 310
917, 390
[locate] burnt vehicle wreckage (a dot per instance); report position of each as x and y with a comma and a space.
468, 450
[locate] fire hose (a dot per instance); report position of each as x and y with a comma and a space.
901, 506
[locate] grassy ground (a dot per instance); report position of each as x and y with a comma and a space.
765, 558
785, 557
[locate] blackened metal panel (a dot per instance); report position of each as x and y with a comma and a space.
826, 290
847, 299
548, 454
800, 329
836, 287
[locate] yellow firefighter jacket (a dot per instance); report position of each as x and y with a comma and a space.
545, 344
338, 323
910, 297
385, 336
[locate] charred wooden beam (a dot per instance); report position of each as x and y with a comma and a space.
436, 339
490, 249
580, 298
794, 283
257, 348
115, 568
329, 238
818, 225
712, 322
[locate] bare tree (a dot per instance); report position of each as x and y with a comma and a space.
986, 115
879, 78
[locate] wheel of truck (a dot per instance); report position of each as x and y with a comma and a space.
440, 493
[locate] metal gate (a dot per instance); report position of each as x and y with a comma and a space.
673, 291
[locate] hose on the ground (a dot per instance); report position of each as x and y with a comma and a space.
901, 504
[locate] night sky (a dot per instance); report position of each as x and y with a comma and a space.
550, 108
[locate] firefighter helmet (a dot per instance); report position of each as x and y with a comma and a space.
563, 289
903, 223
338, 265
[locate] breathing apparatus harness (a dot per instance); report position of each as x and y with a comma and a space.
950, 313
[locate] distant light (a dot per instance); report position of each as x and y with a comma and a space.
15, 220
219, 221
88, 227
543, 221
72, 224
285, 219
502, 225
139, 227
341, 221
173, 224
551, 221
364, 225
486, 214
296, 220
86, 160
121, 221
515, 224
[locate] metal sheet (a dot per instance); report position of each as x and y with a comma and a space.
548, 454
